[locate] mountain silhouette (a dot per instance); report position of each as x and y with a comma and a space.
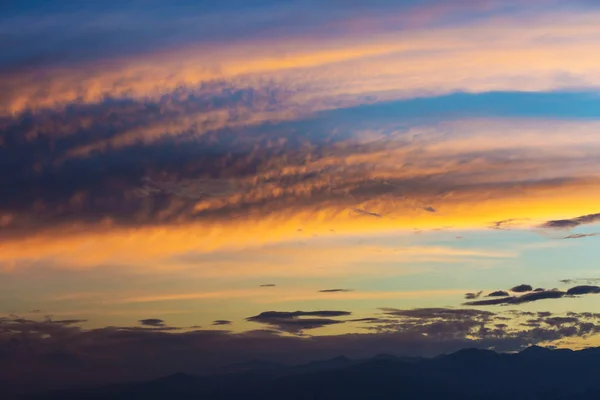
534, 373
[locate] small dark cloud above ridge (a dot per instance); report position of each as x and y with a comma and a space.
297, 321
521, 288
526, 298
335, 290
490, 302
498, 293
437, 313
583, 289
152, 322
68, 321
219, 322
535, 296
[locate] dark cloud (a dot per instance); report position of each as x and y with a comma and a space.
572, 223
430, 209
558, 321
68, 321
490, 302
92, 31
507, 223
583, 289
526, 298
521, 288
580, 235
437, 313
268, 285
146, 328
472, 296
152, 322
498, 293
296, 321
335, 290
296, 314
544, 314
588, 281
232, 169
366, 212
535, 296
221, 322
370, 320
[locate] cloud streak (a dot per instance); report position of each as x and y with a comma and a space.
296, 322
321, 70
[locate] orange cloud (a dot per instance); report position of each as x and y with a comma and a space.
326, 72
152, 248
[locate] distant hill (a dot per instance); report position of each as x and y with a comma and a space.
535, 373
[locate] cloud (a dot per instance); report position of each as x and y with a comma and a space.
498, 293
221, 322
544, 314
370, 320
589, 281
295, 314
558, 321
335, 290
152, 322
583, 289
366, 213
146, 328
236, 184
490, 302
522, 288
535, 296
324, 69
472, 296
525, 298
294, 322
438, 313
581, 235
67, 321
572, 223
268, 285
568, 281
508, 223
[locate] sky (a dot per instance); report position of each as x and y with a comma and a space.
290, 180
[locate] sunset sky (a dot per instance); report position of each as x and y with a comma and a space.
289, 179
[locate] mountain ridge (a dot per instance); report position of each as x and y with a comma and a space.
533, 373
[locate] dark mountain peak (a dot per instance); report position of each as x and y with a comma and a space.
259, 363
383, 356
340, 359
332, 363
471, 353
255, 365
536, 350
178, 378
